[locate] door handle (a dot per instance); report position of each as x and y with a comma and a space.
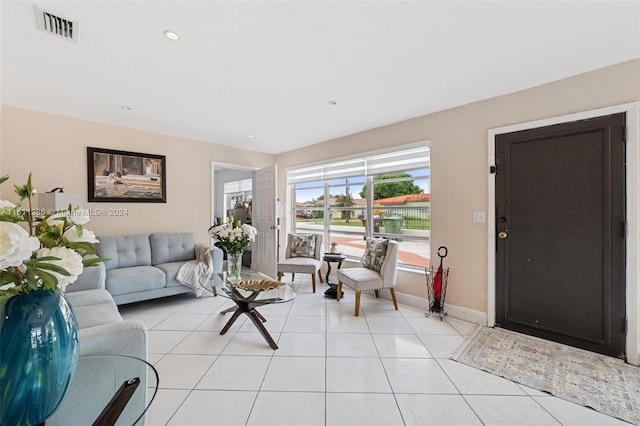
503, 234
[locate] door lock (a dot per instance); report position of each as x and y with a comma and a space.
503, 234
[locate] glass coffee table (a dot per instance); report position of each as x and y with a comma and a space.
107, 390
251, 291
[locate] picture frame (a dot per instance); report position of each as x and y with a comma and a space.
126, 177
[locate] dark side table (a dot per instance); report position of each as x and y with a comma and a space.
332, 292
248, 300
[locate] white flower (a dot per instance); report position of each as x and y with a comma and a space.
234, 237
76, 217
7, 208
217, 229
79, 216
56, 219
250, 231
71, 234
16, 245
69, 260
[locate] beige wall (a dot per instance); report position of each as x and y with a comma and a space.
459, 164
54, 149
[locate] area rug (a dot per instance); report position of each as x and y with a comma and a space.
606, 384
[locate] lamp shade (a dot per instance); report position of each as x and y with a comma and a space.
52, 201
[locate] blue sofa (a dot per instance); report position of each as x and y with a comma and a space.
145, 266
140, 267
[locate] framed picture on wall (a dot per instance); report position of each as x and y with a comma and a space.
122, 176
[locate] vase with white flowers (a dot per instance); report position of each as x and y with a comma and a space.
233, 237
40, 254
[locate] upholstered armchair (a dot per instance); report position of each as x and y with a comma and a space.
377, 270
303, 256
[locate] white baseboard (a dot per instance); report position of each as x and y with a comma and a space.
454, 311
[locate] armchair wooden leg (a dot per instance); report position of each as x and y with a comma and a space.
293, 276
339, 291
320, 276
393, 296
313, 282
279, 276
377, 293
358, 303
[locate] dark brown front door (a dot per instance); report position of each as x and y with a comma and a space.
560, 225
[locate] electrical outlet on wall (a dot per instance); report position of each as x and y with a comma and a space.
478, 217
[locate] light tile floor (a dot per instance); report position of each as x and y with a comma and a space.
384, 367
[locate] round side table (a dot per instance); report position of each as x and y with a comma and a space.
332, 292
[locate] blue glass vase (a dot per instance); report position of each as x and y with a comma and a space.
38, 356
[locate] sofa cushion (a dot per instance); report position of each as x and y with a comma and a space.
134, 279
173, 247
124, 251
88, 297
95, 315
91, 278
93, 308
171, 270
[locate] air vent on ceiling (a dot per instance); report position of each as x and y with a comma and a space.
56, 25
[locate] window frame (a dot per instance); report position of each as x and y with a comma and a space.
315, 172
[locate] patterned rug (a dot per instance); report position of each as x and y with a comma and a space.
606, 384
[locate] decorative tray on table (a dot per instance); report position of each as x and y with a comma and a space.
257, 285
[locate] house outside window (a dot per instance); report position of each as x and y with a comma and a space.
333, 199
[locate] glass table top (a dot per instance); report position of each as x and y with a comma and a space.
97, 379
221, 285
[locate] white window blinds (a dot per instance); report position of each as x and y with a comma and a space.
237, 186
396, 161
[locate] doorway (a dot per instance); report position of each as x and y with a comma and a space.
560, 243
231, 195
251, 199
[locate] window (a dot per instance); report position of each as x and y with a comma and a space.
333, 198
237, 194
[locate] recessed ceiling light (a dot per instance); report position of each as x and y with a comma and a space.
332, 103
250, 135
126, 107
171, 35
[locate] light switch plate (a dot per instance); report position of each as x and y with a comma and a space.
478, 217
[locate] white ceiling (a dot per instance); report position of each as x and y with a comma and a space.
270, 68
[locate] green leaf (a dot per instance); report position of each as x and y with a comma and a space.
21, 191
4, 178
5, 278
48, 241
51, 267
94, 261
7, 294
81, 247
34, 262
30, 189
49, 281
14, 218
32, 280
